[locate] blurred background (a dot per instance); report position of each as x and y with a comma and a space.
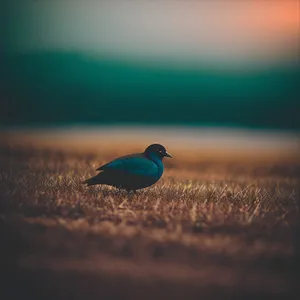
216, 64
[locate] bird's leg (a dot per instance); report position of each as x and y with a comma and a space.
131, 193
119, 191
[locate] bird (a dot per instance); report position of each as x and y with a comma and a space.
132, 172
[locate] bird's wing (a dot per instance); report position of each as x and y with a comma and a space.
133, 164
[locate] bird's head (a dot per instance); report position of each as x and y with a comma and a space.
157, 150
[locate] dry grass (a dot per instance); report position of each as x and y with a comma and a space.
219, 227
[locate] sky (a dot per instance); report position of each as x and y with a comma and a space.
234, 32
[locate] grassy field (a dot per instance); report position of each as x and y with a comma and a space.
218, 225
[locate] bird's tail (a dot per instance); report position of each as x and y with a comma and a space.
91, 181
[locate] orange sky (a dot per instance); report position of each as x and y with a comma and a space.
282, 15
197, 29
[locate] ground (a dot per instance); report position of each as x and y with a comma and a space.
215, 226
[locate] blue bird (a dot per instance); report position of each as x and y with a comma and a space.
132, 172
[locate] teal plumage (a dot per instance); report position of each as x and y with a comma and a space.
133, 172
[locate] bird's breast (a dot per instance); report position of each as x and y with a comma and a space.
160, 168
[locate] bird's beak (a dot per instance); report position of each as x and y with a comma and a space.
168, 155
